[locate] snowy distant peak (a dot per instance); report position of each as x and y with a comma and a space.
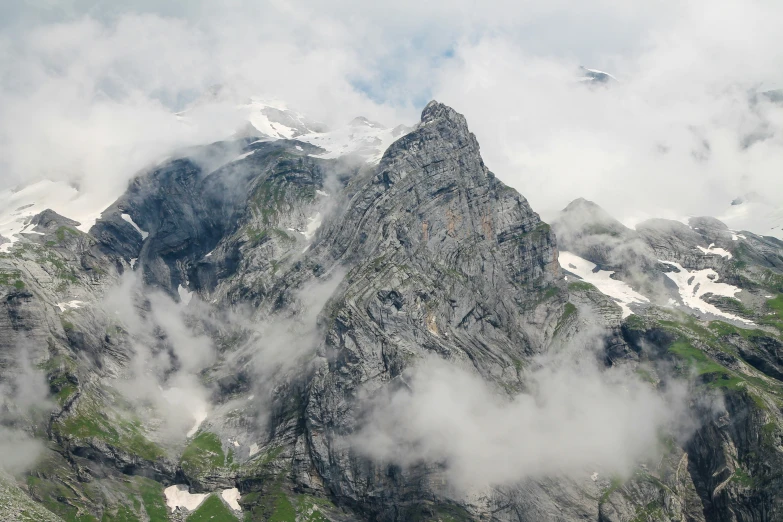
272, 118
19, 206
583, 216
595, 76
361, 137
361, 121
364, 140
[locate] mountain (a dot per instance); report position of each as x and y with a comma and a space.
268, 329
595, 77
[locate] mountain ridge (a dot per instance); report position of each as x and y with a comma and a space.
247, 324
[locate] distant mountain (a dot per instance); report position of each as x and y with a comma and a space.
594, 76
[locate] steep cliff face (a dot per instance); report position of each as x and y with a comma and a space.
443, 260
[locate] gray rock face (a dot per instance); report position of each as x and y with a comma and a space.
444, 260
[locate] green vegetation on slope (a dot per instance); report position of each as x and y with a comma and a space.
90, 421
11, 278
697, 361
212, 510
16, 505
204, 452
776, 309
153, 500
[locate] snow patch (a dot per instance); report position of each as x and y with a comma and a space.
179, 496
594, 476
620, 291
231, 496
322, 193
712, 249
70, 304
127, 218
299, 148
133, 262
243, 156
367, 142
254, 449
17, 206
28, 229
696, 283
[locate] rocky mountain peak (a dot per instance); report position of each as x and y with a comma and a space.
436, 110
51, 219
441, 136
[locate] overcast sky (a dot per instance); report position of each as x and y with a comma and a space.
87, 87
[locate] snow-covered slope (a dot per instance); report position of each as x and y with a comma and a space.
620, 291
271, 118
361, 137
18, 205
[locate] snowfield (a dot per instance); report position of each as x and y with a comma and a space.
621, 292
693, 285
18, 206
179, 496
712, 249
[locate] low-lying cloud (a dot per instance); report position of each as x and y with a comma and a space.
577, 418
24, 403
167, 354
171, 345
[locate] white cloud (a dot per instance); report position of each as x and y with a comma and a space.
576, 419
637, 148
88, 90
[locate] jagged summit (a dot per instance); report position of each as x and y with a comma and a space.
435, 110
441, 132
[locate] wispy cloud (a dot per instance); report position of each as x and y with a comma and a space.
88, 88
575, 418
